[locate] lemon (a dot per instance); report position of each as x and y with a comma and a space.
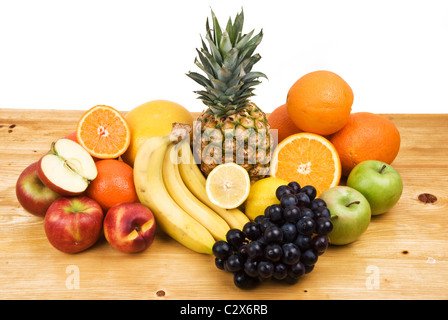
228, 185
262, 195
152, 119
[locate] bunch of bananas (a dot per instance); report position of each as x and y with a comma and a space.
171, 185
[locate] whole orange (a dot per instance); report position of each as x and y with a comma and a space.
279, 120
366, 136
114, 184
320, 102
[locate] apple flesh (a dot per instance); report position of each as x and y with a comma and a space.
73, 224
379, 182
129, 227
32, 194
67, 168
350, 214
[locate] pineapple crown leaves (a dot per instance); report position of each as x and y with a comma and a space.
227, 63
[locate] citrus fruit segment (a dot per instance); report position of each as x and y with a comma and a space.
228, 185
103, 132
309, 159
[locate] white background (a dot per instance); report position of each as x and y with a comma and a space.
57, 54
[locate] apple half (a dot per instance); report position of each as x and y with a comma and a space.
67, 168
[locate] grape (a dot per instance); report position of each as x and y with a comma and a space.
309, 268
306, 212
319, 243
290, 280
235, 237
219, 262
252, 230
305, 226
273, 252
266, 222
275, 213
288, 200
303, 241
310, 191
282, 190
291, 253
309, 257
291, 214
244, 281
255, 249
221, 249
265, 269
316, 203
289, 231
302, 200
295, 186
324, 226
296, 270
261, 217
283, 243
273, 234
234, 263
322, 212
280, 271
251, 267
242, 251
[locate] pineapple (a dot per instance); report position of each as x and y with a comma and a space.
232, 128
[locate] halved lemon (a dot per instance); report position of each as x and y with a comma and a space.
228, 185
309, 159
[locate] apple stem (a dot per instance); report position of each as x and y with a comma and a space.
382, 168
52, 148
354, 202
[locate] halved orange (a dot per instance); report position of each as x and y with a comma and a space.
103, 132
309, 159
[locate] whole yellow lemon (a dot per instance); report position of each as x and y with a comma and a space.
152, 119
262, 195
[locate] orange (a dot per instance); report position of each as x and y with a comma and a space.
309, 159
279, 120
367, 136
320, 102
103, 132
114, 184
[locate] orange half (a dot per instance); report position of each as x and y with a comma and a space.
309, 159
103, 132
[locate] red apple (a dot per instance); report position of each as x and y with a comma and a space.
67, 168
129, 227
73, 224
32, 194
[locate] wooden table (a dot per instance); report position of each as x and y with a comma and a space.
402, 255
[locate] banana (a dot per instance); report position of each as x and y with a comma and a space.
151, 192
187, 200
195, 181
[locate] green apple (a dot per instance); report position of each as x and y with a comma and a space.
350, 214
379, 182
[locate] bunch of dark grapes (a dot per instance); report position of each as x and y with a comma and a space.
283, 244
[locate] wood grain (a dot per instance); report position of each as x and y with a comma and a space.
402, 255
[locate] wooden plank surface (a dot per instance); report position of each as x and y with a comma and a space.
402, 255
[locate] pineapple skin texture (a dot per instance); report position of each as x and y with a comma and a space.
243, 138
